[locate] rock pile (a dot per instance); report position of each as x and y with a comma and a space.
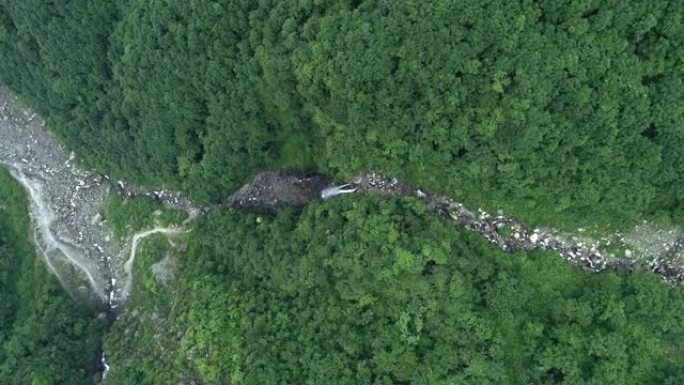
68, 206
511, 235
272, 189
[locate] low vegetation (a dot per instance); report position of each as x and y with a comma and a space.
126, 216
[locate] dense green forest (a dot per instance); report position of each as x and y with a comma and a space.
563, 113
371, 291
45, 337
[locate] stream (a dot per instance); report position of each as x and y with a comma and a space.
67, 207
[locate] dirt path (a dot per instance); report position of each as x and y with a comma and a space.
68, 204
67, 208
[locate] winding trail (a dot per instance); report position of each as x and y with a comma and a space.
128, 266
135, 240
67, 206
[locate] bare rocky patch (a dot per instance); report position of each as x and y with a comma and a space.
67, 206
661, 251
163, 270
66, 203
272, 189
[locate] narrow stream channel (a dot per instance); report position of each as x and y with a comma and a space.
67, 208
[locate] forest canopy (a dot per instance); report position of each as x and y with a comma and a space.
563, 113
376, 291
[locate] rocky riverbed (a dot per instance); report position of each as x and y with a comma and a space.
68, 205
646, 247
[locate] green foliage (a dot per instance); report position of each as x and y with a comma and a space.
377, 291
170, 97
563, 114
549, 111
45, 337
138, 340
128, 215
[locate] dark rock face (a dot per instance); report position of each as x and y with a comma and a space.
271, 189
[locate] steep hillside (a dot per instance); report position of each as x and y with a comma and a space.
375, 291
562, 114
